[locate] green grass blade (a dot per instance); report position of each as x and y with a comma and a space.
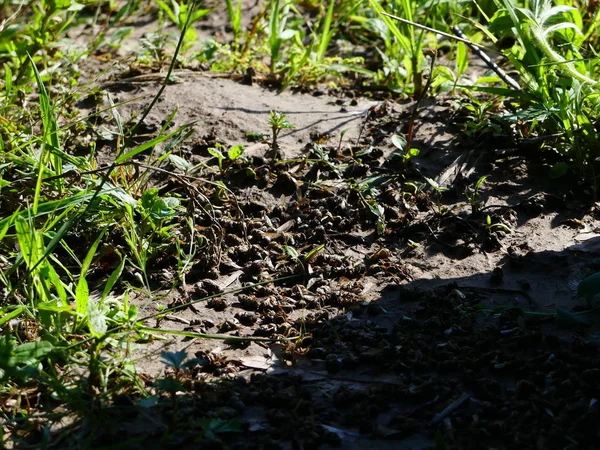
112, 280
28, 242
51, 274
222, 337
11, 315
82, 293
326, 33
8, 76
151, 143
511, 93
46, 111
5, 224
167, 9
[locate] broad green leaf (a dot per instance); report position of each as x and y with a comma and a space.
148, 199
434, 184
55, 279
287, 34
462, 59
180, 163
28, 242
82, 297
119, 194
191, 35
567, 319
151, 143
199, 14
444, 72
291, 252
164, 207
590, 286
217, 154
399, 142
235, 152
555, 10
30, 353
561, 26
62, 4
480, 181
173, 359
501, 23
167, 9
558, 170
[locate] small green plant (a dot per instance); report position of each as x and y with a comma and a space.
226, 160
491, 226
278, 31
403, 54
474, 116
302, 261
255, 136
560, 90
379, 212
402, 151
323, 159
154, 49
177, 364
473, 194
413, 190
181, 13
235, 19
21, 361
278, 122
25, 39
589, 287
307, 61
438, 191
152, 234
184, 165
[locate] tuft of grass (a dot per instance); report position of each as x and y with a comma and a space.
559, 94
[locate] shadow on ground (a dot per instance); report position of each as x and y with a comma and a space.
468, 362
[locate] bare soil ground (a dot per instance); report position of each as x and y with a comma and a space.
439, 332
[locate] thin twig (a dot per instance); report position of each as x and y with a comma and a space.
169, 71
450, 409
432, 30
486, 59
460, 37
